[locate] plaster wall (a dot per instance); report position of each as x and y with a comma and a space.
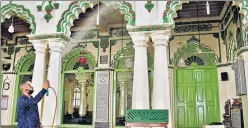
227, 89
6, 115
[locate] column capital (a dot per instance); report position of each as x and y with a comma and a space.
56, 45
160, 38
139, 39
39, 46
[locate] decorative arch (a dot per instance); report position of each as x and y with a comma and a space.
77, 7
25, 63
170, 11
71, 58
243, 5
191, 48
128, 49
21, 12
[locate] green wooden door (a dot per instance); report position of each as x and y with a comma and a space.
196, 97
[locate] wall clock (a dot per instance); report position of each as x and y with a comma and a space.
6, 86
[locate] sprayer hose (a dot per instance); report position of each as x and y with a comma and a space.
55, 106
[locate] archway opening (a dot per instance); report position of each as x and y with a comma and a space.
123, 64
78, 76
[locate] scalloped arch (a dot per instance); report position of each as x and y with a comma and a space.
69, 58
170, 11
77, 7
21, 12
25, 62
243, 5
189, 46
115, 62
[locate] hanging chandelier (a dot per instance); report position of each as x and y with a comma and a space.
98, 15
208, 8
11, 27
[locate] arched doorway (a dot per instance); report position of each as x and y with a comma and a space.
196, 95
24, 69
78, 87
123, 63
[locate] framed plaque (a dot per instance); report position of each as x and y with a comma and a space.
4, 102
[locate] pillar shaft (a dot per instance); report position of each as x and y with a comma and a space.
123, 98
161, 88
140, 97
39, 71
54, 76
82, 108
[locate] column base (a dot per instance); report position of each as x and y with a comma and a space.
101, 124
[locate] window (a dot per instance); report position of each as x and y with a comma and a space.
194, 59
76, 101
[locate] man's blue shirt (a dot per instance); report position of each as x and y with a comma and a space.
28, 113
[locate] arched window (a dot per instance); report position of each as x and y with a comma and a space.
194, 59
76, 99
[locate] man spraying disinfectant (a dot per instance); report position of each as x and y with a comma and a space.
28, 114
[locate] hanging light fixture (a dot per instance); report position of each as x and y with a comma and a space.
208, 9
98, 15
11, 27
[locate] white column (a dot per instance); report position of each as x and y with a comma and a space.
140, 97
123, 98
81, 77
54, 76
161, 87
39, 71
70, 102
82, 108
245, 97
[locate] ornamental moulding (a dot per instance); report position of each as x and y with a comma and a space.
193, 28
150, 28
170, 11
77, 7
21, 12
243, 5
58, 35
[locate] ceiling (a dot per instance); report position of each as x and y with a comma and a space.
189, 10
108, 15
112, 16
19, 26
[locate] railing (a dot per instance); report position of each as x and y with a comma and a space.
147, 116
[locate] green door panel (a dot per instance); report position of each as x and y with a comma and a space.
196, 97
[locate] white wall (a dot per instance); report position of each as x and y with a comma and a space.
227, 89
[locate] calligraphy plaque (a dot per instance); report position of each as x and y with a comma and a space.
102, 99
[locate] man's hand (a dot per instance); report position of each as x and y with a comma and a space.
46, 85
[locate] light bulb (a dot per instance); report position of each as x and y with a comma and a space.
97, 19
208, 9
11, 28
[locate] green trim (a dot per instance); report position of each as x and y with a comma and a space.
73, 54
149, 28
219, 60
224, 64
189, 46
21, 12
57, 35
241, 50
24, 62
149, 6
170, 11
76, 7
129, 48
243, 5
